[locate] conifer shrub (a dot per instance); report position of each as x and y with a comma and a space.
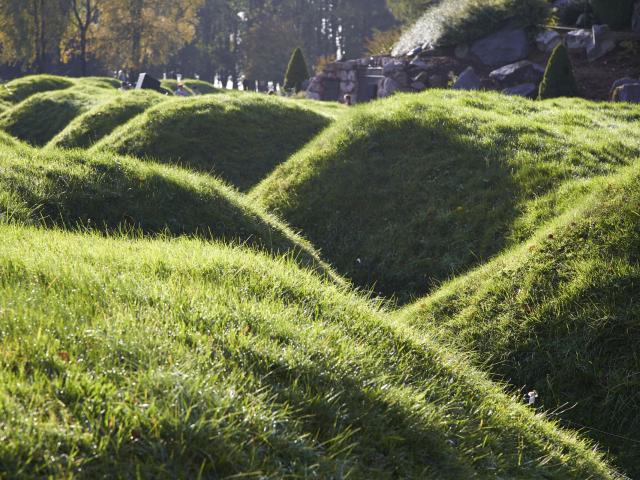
558, 78
615, 13
297, 71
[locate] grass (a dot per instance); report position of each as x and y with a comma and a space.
201, 86
240, 138
559, 313
404, 193
452, 22
20, 89
138, 358
42, 116
104, 192
88, 128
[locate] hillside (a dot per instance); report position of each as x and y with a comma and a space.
403, 193
179, 358
192, 86
240, 138
20, 89
43, 115
560, 313
90, 127
73, 189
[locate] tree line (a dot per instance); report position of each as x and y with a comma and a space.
253, 38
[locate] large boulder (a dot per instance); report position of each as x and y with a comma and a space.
620, 82
627, 93
468, 80
548, 40
518, 73
388, 86
602, 42
528, 90
578, 40
505, 46
393, 67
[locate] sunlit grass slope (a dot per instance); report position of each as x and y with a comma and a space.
560, 313
201, 86
19, 89
182, 359
74, 189
405, 192
101, 120
241, 138
43, 115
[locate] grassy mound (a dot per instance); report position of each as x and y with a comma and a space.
200, 86
451, 22
88, 128
43, 115
405, 192
105, 192
240, 138
165, 359
18, 90
99, 82
560, 313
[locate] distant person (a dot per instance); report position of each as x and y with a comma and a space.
347, 100
181, 91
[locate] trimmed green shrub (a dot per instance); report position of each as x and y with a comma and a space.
558, 77
615, 13
297, 71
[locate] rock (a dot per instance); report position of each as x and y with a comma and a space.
528, 90
602, 42
620, 82
388, 87
627, 93
401, 78
578, 40
518, 73
438, 81
314, 96
462, 51
347, 87
468, 80
393, 67
635, 18
422, 77
419, 64
419, 86
502, 47
414, 52
548, 40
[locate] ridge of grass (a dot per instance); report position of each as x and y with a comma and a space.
105, 192
560, 314
406, 192
20, 89
202, 87
179, 358
42, 116
240, 138
93, 125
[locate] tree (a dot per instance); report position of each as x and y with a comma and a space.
84, 14
30, 31
137, 33
297, 71
558, 78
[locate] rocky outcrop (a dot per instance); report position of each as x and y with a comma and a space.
548, 40
629, 92
528, 90
522, 72
578, 40
505, 46
619, 83
602, 42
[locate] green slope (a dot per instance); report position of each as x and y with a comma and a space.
406, 192
560, 313
103, 191
166, 359
241, 138
88, 128
43, 115
21, 88
201, 86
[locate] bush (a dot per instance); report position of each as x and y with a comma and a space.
297, 71
615, 13
558, 77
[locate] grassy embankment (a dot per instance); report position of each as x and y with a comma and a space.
178, 358
407, 192
559, 312
240, 138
